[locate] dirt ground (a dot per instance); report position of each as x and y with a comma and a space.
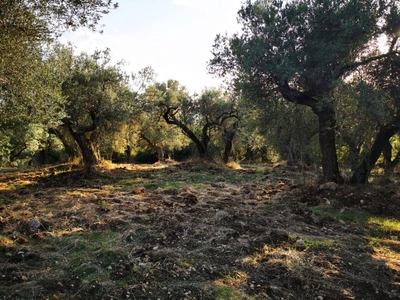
196, 231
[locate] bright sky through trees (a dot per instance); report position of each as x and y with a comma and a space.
174, 37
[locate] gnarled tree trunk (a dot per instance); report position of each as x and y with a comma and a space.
201, 145
363, 171
89, 158
154, 147
68, 142
228, 136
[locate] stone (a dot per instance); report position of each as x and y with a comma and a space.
34, 224
218, 184
330, 186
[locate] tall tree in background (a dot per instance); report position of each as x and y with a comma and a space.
299, 50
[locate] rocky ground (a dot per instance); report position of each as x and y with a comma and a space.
195, 231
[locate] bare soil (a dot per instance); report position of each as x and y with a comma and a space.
195, 231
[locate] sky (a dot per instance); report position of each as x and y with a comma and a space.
174, 37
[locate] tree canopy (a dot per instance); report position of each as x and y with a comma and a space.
26, 28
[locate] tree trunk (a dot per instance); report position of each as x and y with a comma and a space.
153, 146
387, 158
327, 122
200, 145
201, 150
94, 144
229, 135
394, 163
88, 156
160, 154
326, 129
227, 151
363, 171
205, 140
68, 142
128, 152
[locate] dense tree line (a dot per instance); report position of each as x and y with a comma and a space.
313, 82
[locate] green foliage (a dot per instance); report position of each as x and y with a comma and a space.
153, 131
97, 99
25, 28
29, 80
300, 43
95, 90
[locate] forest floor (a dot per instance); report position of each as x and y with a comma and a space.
196, 231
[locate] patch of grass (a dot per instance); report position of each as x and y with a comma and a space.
234, 176
98, 245
151, 186
89, 256
167, 184
345, 215
383, 227
186, 262
130, 182
228, 293
228, 286
386, 248
201, 177
263, 170
87, 272
318, 243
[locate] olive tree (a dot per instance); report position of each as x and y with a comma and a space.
298, 51
96, 94
29, 89
197, 117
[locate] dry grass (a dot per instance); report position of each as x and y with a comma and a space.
194, 231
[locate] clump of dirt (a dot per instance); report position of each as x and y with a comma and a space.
193, 231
